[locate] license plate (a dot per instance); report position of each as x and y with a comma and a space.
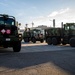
7, 39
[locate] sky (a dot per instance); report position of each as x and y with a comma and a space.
40, 12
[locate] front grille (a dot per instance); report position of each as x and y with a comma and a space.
5, 28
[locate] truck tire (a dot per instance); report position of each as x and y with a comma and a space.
33, 40
72, 42
17, 46
54, 41
26, 39
49, 41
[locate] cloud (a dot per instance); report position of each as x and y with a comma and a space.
64, 10
55, 13
62, 15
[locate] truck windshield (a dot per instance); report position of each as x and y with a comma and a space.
66, 27
7, 21
72, 27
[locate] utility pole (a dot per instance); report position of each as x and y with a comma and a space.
54, 23
62, 24
32, 24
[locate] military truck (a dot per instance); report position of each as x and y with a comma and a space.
64, 35
33, 35
9, 36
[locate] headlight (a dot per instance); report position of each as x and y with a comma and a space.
20, 35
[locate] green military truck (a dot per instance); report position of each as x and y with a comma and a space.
9, 36
33, 35
64, 35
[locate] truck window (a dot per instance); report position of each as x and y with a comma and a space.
7, 21
66, 27
72, 27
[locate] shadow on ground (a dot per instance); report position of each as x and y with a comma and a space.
63, 59
6, 50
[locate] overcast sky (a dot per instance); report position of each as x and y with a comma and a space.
41, 12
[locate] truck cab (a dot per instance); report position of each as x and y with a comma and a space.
9, 36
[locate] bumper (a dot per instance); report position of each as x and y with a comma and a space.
9, 42
2, 39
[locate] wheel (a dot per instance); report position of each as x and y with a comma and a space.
54, 41
72, 42
17, 46
33, 40
49, 41
41, 40
26, 39
64, 41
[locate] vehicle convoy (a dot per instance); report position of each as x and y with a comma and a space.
33, 35
9, 36
64, 35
